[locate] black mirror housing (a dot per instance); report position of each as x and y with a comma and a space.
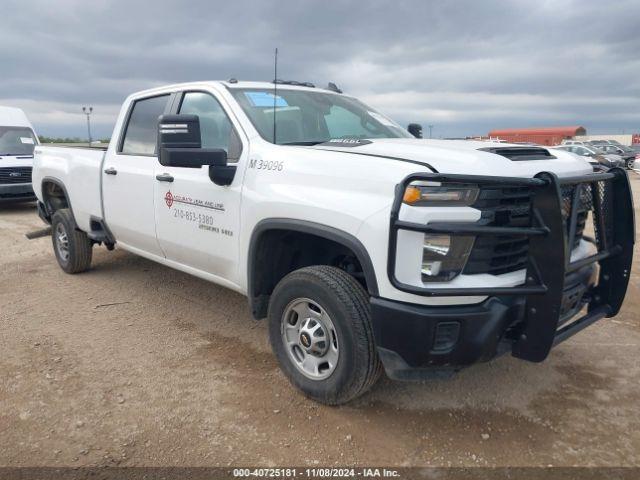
415, 129
192, 157
222, 175
179, 131
179, 145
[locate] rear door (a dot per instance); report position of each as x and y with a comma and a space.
128, 177
198, 221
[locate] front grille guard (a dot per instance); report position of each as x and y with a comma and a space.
552, 231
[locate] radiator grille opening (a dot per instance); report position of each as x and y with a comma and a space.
501, 207
511, 207
13, 175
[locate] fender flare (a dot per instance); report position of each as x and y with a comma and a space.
60, 184
319, 230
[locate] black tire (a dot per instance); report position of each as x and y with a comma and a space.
630, 164
78, 246
347, 304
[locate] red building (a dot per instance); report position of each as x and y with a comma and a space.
542, 136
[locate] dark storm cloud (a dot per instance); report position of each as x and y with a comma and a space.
466, 67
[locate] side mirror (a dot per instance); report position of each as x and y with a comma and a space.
179, 145
415, 129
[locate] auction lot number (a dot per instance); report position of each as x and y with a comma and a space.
315, 472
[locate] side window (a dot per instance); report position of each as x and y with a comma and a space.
141, 135
216, 130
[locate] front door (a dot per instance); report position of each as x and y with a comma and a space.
128, 177
197, 221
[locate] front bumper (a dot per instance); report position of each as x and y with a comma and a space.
528, 320
16, 192
416, 342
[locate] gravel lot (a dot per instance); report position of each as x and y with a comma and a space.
135, 364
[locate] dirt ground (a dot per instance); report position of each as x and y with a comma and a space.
135, 364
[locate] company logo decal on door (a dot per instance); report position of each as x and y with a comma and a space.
168, 198
171, 198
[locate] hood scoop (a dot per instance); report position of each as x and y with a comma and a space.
520, 154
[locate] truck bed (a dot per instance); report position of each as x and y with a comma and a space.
78, 170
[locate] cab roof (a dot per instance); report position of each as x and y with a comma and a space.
233, 85
13, 117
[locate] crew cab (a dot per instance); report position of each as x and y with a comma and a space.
365, 247
17, 141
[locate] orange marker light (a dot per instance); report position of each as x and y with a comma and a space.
411, 195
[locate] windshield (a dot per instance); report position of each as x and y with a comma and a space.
308, 118
17, 141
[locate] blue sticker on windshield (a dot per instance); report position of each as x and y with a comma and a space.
265, 99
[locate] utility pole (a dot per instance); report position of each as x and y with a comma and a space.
430, 130
87, 111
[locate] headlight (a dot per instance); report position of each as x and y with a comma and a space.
444, 256
432, 195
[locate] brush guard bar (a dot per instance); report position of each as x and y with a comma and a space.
551, 233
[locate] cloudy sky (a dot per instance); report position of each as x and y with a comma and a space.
463, 66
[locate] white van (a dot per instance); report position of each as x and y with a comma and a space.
17, 141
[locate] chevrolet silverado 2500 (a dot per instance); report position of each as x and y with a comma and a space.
366, 248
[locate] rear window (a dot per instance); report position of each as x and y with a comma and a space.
141, 135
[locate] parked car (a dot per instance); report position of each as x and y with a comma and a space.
604, 159
628, 154
603, 142
364, 247
573, 142
593, 161
17, 141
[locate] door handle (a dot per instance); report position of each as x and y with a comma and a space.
164, 177
111, 171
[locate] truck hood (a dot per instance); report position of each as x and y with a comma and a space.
16, 161
465, 157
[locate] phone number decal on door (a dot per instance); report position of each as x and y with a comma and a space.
205, 222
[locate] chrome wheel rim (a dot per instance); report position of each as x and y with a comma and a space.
62, 242
310, 338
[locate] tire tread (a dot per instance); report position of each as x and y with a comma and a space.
350, 293
81, 248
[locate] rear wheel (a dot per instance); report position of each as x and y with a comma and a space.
320, 331
72, 247
630, 163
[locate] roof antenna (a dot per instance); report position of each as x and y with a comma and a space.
275, 94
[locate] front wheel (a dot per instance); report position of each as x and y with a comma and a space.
320, 331
630, 164
71, 246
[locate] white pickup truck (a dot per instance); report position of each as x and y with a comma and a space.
364, 246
